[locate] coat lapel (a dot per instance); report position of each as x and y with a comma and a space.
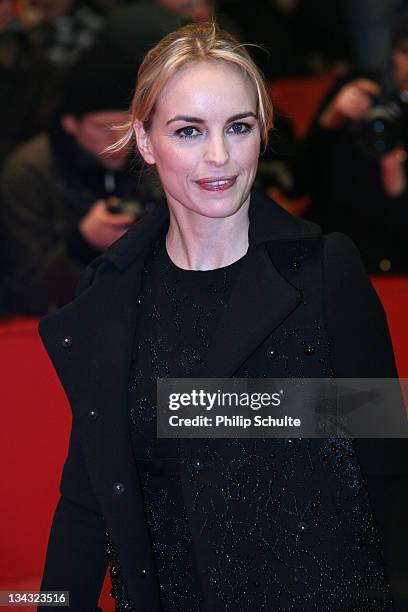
261, 299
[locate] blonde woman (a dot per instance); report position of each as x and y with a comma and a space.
221, 283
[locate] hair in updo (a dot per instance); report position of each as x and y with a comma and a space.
190, 44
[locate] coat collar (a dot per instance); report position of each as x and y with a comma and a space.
267, 222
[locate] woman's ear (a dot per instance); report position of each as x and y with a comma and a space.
143, 142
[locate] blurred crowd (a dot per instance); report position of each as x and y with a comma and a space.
67, 69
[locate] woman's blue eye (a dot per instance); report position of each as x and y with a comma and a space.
187, 132
240, 128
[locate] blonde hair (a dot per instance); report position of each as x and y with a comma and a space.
189, 44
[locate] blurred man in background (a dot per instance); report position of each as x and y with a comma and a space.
63, 200
353, 161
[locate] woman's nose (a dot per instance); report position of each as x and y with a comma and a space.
216, 151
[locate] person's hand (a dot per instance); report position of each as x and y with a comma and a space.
393, 176
101, 228
351, 103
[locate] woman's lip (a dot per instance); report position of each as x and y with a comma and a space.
219, 183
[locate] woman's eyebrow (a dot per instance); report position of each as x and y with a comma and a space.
190, 119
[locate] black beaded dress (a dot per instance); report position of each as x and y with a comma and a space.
241, 525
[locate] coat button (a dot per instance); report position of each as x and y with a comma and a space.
271, 352
198, 464
118, 488
143, 571
295, 264
67, 342
309, 349
93, 414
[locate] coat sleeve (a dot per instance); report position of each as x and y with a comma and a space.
76, 558
41, 246
355, 317
362, 348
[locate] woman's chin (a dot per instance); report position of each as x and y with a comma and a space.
217, 205
218, 209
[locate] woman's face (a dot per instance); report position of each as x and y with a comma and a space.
205, 139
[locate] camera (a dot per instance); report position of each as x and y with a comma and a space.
381, 128
128, 207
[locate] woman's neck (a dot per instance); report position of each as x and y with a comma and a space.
196, 242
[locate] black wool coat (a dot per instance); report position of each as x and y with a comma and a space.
297, 289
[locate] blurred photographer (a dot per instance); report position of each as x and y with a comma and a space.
353, 161
63, 200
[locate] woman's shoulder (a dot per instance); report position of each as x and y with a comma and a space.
349, 296
341, 251
269, 222
344, 275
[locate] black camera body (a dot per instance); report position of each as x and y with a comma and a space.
127, 206
381, 128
